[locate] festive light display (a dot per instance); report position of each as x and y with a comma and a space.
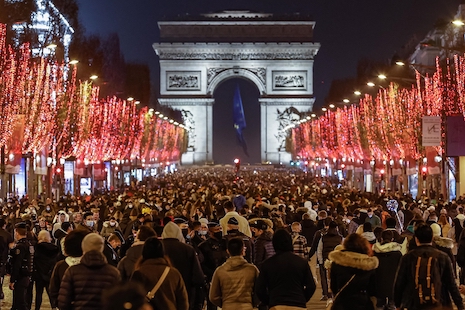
388, 126
67, 118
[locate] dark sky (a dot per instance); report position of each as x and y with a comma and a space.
348, 30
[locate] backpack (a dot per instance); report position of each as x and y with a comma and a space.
427, 280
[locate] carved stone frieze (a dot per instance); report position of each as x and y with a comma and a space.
179, 80
259, 72
168, 55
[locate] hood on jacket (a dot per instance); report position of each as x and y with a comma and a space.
234, 263
94, 259
354, 260
460, 217
444, 242
106, 224
387, 247
135, 251
369, 235
71, 261
171, 230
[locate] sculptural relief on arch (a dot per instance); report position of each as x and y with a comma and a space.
275, 53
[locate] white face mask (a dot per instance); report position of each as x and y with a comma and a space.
90, 223
112, 223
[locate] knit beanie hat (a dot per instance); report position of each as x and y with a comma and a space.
153, 248
92, 242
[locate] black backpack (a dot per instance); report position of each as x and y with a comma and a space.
427, 280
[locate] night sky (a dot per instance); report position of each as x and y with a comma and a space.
348, 30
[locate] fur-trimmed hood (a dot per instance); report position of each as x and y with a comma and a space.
354, 260
387, 247
444, 242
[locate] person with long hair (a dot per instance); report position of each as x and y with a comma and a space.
353, 274
171, 294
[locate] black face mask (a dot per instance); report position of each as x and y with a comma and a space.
185, 231
218, 235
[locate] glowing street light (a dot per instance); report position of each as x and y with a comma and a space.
52, 46
324, 109
382, 77
346, 100
371, 84
130, 99
74, 62
400, 63
94, 77
332, 106
458, 22
357, 93
313, 115
137, 102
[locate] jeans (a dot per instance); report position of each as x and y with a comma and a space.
324, 280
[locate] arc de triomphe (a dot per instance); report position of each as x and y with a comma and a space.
274, 53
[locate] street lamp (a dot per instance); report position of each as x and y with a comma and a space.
371, 84
346, 100
74, 62
382, 77
357, 93
458, 22
332, 106
130, 99
400, 63
94, 77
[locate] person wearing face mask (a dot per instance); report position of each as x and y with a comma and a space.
109, 228
48, 213
88, 223
233, 232
373, 219
213, 250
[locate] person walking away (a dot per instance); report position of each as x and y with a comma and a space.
83, 284
388, 252
184, 259
425, 279
127, 263
299, 242
352, 274
327, 244
73, 252
285, 279
155, 268
44, 261
21, 267
6, 242
232, 286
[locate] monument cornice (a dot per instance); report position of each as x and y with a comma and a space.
236, 51
186, 101
286, 101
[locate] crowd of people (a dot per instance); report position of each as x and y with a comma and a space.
209, 238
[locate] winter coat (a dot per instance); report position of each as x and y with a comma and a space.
127, 263
83, 284
370, 236
328, 243
45, 255
445, 245
107, 229
308, 230
243, 223
356, 296
172, 294
232, 285
285, 279
57, 276
263, 248
389, 255
404, 287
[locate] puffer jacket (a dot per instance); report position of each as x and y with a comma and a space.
83, 284
233, 284
263, 248
172, 294
44, 260
356, 295
389, 255
126, 265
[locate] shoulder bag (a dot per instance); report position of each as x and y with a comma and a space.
330, 305
151, 294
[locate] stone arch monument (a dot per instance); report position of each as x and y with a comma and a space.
275, 53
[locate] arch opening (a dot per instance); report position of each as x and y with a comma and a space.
225, 145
